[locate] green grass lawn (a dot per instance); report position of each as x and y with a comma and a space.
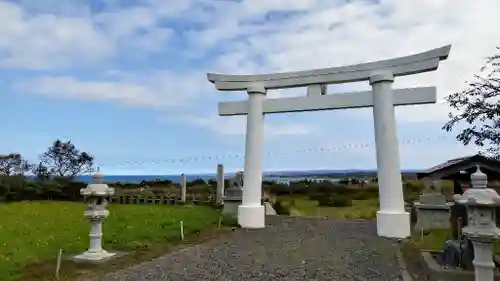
32, 233
434, 239
360, 209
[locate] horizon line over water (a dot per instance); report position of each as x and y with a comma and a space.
272, 175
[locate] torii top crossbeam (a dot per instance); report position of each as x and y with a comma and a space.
413, 64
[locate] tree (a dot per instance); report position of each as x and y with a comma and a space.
478, 106
62, 159
40, 171
13, 164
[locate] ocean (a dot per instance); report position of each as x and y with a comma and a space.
174, 178
273, 175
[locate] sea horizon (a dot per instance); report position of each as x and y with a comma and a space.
267, 175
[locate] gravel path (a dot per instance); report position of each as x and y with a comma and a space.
288, 249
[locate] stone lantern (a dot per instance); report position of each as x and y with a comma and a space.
95, 196
481, 228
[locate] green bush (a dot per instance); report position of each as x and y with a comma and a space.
342, 190
414, 186
411, 197
335, 201
372, 189
365, 193
360, 196
318, 196
280, 208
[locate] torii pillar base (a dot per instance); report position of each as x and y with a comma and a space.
252, 217
393, 225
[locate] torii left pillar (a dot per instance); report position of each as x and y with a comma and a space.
251, 213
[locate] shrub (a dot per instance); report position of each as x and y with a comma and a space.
335, 201
370, 188
410, 197
414, 186
298, 188
342, 190
199, 189
278, 189
280, 208
196, 182
360, 196
365, 193
318, 196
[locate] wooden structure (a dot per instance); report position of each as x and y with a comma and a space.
459, 171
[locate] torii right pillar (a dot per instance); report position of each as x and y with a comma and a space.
392, 218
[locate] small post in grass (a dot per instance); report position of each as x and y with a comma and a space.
421, 234
58, 264
182, 230
219, 223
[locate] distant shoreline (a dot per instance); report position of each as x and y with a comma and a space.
277, 176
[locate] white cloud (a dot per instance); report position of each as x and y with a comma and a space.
161, 89
245, 37
236, 126
47, 40
330, 33
35, 37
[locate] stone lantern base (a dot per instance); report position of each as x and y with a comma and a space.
99, 256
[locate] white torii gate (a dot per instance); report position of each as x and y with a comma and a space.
392, 219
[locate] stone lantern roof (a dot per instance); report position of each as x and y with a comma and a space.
479, 194
97, 187
479, 179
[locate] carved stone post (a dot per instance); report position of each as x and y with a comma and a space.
183, 188
220, 184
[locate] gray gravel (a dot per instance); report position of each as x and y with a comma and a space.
288, 249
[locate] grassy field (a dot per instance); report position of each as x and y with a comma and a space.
434, 240
360, 209
31, 234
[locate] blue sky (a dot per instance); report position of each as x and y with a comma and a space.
126, 80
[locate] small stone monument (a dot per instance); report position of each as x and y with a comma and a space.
233, 194
220, 184
481, 228
432, 209
183, 188
95, 196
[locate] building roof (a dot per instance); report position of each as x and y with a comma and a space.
454, 166
447, 164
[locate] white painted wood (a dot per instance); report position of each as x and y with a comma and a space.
251, 213
411, 96
417, 63
390, 186
316, 90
